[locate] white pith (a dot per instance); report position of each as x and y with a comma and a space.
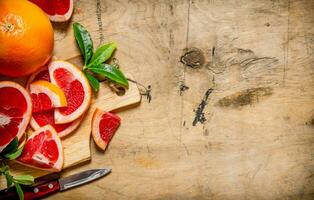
60, 118
35, 126
40, 158
4, 120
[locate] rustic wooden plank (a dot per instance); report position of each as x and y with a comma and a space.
257, 140
255, 143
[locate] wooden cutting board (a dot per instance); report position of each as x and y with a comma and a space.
77, 144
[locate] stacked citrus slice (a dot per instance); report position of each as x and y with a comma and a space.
46, 96
65, 96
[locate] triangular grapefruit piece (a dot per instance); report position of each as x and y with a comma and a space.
104, 126
43, 150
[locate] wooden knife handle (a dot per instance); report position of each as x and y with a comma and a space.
42, 190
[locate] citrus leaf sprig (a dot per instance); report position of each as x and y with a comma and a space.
11, 152
94, 63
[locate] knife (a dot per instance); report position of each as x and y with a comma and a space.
56, 185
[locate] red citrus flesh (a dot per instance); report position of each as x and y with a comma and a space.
59, 7
15, 112
43, 150
75, 87
41, 102
108, 125
31, 148
46, 96
47, 118
72, 88
44, 118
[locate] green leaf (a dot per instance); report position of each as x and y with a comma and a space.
9, 179
92, 81
19, 191
12, 147
24, 179
111, 73
84, 41
102, 54
15, 154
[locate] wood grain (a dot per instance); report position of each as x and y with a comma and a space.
257, 139
258, 57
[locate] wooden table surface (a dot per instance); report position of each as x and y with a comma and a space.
232, 109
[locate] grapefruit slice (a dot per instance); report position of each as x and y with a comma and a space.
75, 87
46, 96
41, 119
57, 10
104, 126
15, 112
43, 150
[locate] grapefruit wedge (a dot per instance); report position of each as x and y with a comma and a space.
57, 10
43, 150
46, 96
75, 87
15, 112
104, 126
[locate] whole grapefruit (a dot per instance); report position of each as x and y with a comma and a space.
26, 38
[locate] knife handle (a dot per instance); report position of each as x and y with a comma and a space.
42, 190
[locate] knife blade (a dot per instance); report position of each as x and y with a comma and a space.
57, 185
82, 178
